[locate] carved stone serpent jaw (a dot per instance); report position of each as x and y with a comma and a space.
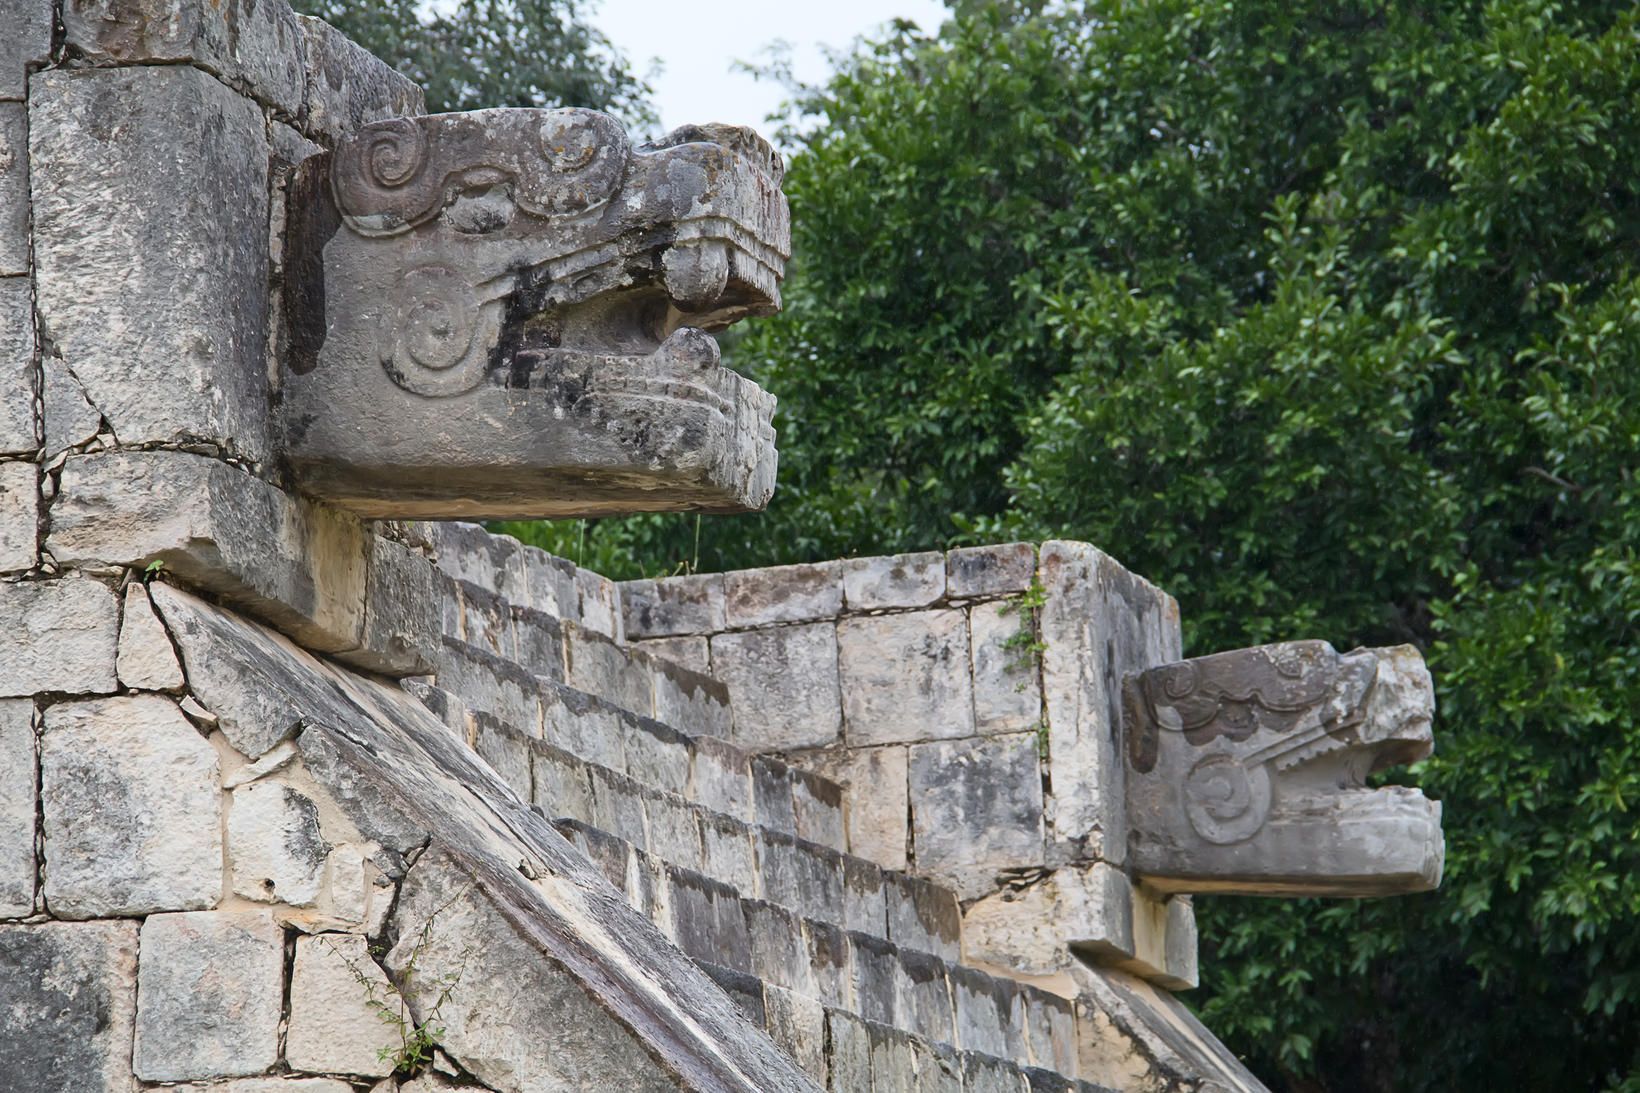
502, 313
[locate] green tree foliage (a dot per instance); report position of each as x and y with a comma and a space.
494, 53
1326, 316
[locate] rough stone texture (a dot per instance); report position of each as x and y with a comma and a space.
297, 565
69, 419
788, 593
798, 1024
334, 1028
783, 685
1007, 689
903, 580
67, 999
1031, 928
691, 701
425, 1084
1099, 623
989, 570
26, 44
17, 808
874, 801
1247, 772
674, 606
905, 677
64, 636
250, 44
275, 845
209, 994
147, 661
17, 434
19, 516
133, 817
400, 634
694, 653
976, 809
598, 666
347, 86
1164, 941
13, 184
151, 249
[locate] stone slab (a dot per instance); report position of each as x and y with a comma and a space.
18, 802
338, 995
64, 637
905, 677
133, 816
67, 1005
252, 45
19, 516
68, 418
673, 606
17, 364
400, 634
1004, 569
13, 186
783, 685
173, 281
209, 995
275, 846
347, 86
976, 809
874, 800
788, 593
26, 44
900, 580
147, 660
1007, 687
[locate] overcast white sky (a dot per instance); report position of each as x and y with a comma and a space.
698, 41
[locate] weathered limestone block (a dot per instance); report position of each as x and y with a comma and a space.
782, 684
1164, 941
1007, 691
923, 916
772, 795
275, 846
1032, 928
464, 348
347, 85
400, 633
19, 516
26, 44
64, 636
976, 809
673, 606
903, 580
337, 995
17, 428
905, 677
694, 653
690, 700
850, 1052
1247, 772
1004, 569
1050, 1031
17, 808
720, 778
1135, 1036
151, 249
13, 185
1098, 624
598, 599
598, 666
426, 1084
133, 817
69, 420
797, 1024
209, 994
299, 566
250, 44
875, 799
147, 661
787, 593
67, 1002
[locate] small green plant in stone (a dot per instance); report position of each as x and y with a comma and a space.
1025, 645
416, 1041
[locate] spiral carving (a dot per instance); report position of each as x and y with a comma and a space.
1227, 802
428, 334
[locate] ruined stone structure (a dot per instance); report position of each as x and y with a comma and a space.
301, 792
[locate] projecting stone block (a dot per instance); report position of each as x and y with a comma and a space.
903, 580
151, 249
923, 916
788, 593
299, 566
817, 809
976, 809
147, 660
17, 808
595, 664
782, 685
990, 1013
673, 606
874, 780
1007, 692
275, 846
905, 677
1164, 940
19, 516
209, 995
17, 430
989, 570
337, 999
13, 185
584, 726
64, 636
720, 778
1050, 1031
133, 817
689, 700
67, 1002
347, 86
400, 631
256, 46
26, 44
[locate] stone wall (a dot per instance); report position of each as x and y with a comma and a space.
970, 702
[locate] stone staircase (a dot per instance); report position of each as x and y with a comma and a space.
740, 859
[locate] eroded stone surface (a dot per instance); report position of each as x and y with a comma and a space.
1007, 689
64, 637
782, 685
875, 798
209, 994
13, 178
132, 812
17, 433
905, 677
337, 995
903, 580
19, 516
147, 661
274, 842
70, 420
26, 44
67, 1000
17, 808
347, 86
976, 809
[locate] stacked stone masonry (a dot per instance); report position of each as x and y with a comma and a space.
297, 801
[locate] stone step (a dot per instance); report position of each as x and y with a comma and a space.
793, 972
